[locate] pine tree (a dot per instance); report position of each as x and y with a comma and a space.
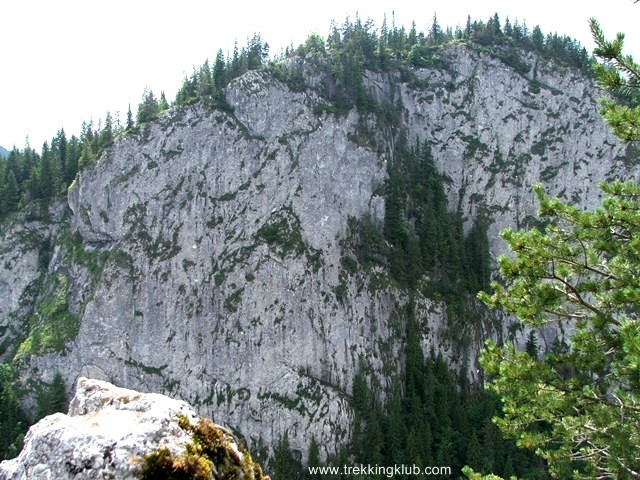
257, 52
129, 126
45, 178
475, 456
204, 81
435, 35
493, 446
219, 72
620, 75
13, 421
59, 146
162, 103
148, 109
235, 67
508, 29
396, 430
477, 253
285, 466
537, 39
53, 398
531, 347
72, 158
10, 193
361, 402
373, 441
496, 29
106, 135
87, 154
468, 28
412, 39
313, 458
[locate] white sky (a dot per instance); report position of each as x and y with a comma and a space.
66, 61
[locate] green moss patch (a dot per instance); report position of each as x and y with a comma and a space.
210, 454
53, 325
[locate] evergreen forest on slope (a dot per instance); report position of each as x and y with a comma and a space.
28, 177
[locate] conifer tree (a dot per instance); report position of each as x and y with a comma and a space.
235, 67
148, 109
204, 81
72, 158
313, 458
13, 421
87, 154
45, 183
59, 146
396, 430
619, 74
537, 39
10, 193
53, 398
578, 408
468, 29
106, 135
129, 125
285, 466
476, 457
162, 103
435, 35
219, 72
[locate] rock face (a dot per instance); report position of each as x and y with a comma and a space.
109, 432
204, 256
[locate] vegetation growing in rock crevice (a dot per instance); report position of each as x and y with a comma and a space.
52, 325
282, 232
210, 454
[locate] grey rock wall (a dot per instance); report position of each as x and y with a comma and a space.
220, 236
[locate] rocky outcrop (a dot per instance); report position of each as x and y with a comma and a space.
207, 256
116, 433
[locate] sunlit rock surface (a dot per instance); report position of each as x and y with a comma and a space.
107, 433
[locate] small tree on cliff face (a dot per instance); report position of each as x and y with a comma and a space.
579, 407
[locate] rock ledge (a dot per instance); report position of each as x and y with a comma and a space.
116, 433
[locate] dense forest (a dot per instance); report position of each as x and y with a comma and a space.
431, 415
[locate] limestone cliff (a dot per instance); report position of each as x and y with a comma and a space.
204, 256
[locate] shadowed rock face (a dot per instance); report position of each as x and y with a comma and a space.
117, 433
208, 249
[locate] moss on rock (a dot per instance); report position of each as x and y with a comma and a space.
213, 454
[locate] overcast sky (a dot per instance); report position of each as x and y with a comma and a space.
66, 61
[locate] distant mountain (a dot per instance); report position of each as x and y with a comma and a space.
3, 152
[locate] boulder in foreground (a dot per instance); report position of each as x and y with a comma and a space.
116, 433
